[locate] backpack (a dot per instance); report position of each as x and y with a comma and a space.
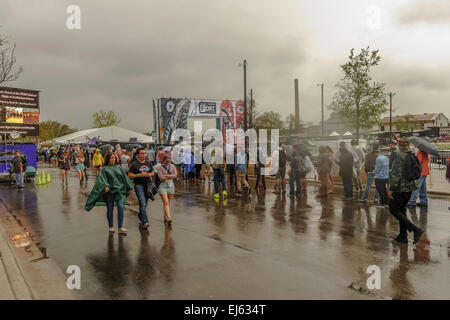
301, 168
413, 167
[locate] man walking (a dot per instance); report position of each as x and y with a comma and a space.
219, 174
19, 165
400, 188
294, 174
422, 182
280, 184
140, 171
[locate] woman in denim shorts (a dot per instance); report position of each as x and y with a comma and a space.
166, 173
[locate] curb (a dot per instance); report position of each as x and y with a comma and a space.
13, 272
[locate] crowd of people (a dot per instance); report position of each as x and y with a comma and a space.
150, 171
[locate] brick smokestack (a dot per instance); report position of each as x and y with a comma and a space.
297, 107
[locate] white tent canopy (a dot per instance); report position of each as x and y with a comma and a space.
334, 134
105, 134
348, 133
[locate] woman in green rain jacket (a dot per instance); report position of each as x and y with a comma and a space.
111, 187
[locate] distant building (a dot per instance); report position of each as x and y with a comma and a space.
423, 121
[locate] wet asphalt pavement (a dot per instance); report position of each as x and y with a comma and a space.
257, 247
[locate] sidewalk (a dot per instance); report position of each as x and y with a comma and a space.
12, 282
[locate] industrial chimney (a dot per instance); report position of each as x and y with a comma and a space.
297, 107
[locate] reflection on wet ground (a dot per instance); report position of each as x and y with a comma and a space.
262, 246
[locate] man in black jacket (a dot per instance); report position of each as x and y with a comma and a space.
346, 170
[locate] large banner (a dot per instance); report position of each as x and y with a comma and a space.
172, 113
19, 111
7, 155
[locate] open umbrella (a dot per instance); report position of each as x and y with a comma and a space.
106, 148
424, 145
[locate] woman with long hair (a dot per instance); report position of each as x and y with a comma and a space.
112, 187
166, 173
64, 166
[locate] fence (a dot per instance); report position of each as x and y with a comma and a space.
440, 162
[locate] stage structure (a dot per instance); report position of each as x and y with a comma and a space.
172, 113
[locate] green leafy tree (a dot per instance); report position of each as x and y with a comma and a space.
360, 100
51, 129
8, 71
268, 120
105, 119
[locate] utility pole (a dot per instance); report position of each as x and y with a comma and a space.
321, 102
391, 94
251, 109
245, 96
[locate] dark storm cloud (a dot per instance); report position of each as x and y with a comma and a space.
429, 11
128, 53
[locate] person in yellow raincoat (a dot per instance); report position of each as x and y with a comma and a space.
97, 162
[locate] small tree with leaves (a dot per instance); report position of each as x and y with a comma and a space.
8, 70
105, 119
407, 124
52, 129
359, 100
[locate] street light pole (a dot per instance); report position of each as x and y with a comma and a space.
245, 95
251, 109
390, 111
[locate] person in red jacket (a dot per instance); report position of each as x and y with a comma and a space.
422, 182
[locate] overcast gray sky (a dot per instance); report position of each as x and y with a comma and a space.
128, 52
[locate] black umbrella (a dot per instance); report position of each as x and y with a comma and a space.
424, 145
106, 148
129, 147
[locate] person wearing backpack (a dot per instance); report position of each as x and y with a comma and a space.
401, 184
423, 159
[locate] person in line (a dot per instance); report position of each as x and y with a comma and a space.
19, 166
392, 150
260, 169
97, 161
324, 168
219, 174
79, 160
358, 156
369, 166
333, 168
112, 187
64, 166
125, 161
206, 171
422, 182
400, 189
86, 162
166, 173
151, 155
294, 174
345, 163
140, 171
280, 182
241, 168
305, 154
381, 176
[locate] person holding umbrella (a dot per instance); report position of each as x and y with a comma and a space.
425, 148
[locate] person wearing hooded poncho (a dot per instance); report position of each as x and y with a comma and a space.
112, 187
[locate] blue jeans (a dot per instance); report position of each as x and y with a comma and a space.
294, 179
219, 179
142, 198
421, 190
369, 180
19, 179
348, 186
109, 213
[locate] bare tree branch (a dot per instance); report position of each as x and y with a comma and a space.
8, 72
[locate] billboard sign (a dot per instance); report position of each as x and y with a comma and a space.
7, 155
172, 113
19, 111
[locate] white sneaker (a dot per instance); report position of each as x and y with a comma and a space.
111, 230
122, 231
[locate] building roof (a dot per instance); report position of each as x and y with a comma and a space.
106, 134
414, 117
